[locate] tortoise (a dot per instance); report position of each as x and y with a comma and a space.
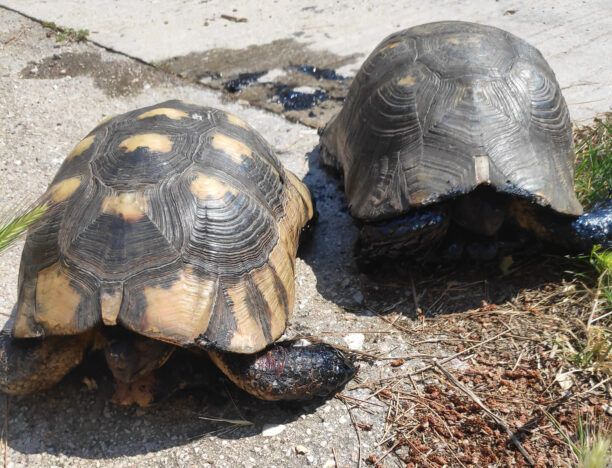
174, 226
455, 141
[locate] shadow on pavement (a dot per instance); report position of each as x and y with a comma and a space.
77, 417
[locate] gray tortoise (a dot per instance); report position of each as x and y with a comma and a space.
173, 226
453, 135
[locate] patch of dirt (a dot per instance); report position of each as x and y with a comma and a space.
284, 76
115, 78
508, 354
227, 63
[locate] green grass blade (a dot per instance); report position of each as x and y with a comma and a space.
594, 162
12, 229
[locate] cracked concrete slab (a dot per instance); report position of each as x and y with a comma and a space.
573, 36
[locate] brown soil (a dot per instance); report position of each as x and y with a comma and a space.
116, 78
216, 67
508, 352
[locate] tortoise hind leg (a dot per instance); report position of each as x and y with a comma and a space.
577, 234
287, 371
409, 235
29, 365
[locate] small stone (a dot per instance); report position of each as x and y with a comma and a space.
90, 384
271, 75
355, 341
271, 430
301, 450
505, 264
565, 380
302, 342
306, 89
358, 297
329, 463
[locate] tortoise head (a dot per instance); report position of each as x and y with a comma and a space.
482, 211
131, 356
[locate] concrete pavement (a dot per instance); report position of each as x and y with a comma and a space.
573, 36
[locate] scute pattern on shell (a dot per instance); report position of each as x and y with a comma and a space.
441, 108
180, 224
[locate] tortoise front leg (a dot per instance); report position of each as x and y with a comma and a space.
595, 227
287, 371
29, 365
576, 234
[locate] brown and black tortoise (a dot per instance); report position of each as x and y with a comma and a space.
455, 141
172, 226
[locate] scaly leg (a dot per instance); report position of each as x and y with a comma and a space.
406, 236
577, 234
29, 365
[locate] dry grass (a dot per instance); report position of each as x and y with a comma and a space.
590, 446
512, 361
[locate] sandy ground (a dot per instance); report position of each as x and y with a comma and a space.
52, 94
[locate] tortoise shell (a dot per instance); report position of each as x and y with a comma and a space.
439, 109
175, 221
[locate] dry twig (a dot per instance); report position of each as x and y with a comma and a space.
450, 358
335, 457
356, 432
234, 19
5, 430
